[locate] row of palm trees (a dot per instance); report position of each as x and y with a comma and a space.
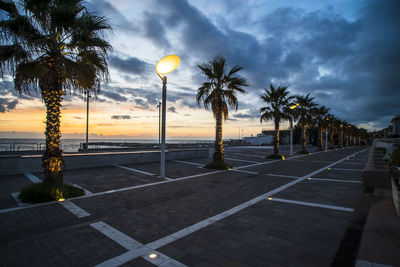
220, 90
301, 108
58, 46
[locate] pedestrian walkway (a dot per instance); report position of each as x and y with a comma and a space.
292, 212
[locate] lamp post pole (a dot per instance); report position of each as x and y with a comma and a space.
326, 139
159, 123
164, 101
291, 134
87, 121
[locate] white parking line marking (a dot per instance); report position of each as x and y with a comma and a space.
249, 161
285, 176
340, 169
74, 209
130, 255
311, 204
151, 184
249, 172
33, 178
19, 201
134, 170
133, 246
87, 192
336, 180
190, 163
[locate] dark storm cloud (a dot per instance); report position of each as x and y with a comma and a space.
131, 65
120, 117
7, 104
154, 30
115, 96
172, 109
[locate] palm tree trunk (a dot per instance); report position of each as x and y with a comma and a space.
332, 140
218, 145
304, 143
52, 160
276, 141
321, 138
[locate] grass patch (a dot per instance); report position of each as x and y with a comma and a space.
218, 166
302, 152
40, 192
274, 156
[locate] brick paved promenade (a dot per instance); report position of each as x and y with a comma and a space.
292, 212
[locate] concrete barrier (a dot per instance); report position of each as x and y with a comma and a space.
376, 173
32, 163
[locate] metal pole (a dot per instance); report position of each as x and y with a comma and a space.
87, 122
326, 139
291, 135
164, 102
159, 123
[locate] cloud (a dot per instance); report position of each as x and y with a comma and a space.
113, 96
131, 65
7, 104
172, 109
78, 118
120, 117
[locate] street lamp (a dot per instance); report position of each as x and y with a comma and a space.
291, 128
166, 65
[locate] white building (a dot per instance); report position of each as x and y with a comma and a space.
395, 125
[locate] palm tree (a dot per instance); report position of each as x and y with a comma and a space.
217, 92
305, 111
277, 100
53, 46
320, 114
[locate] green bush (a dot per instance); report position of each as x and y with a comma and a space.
40, 192
218, 166
274, 156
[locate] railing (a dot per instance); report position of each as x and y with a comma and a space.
20, 146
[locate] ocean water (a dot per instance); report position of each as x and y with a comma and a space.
72, 145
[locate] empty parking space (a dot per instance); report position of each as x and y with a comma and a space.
105, 178
321, 192
343, 175
265, 234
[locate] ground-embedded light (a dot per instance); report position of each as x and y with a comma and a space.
309, 178
329, 169
153, 255
270, 198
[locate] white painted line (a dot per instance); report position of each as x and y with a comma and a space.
250, 155
157, 183
340, 169
285, 176
249, 172
19, 201
311, 204
130, 255
136, 249
190, 163
336, 180
361, 163
134, 170
74, 209
117, 236
87, 192
33, 178
249, 161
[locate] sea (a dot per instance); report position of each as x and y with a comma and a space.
72, 145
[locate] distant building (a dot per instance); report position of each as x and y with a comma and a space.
266, 137
395, 125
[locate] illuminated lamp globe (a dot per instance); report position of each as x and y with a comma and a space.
167, 64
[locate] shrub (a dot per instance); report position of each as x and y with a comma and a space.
218, 166
274, 156
40, 192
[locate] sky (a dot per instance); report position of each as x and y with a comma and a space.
345, 53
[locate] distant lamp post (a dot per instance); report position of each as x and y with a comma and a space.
166, 65
291, 128
341, 128
87, 122
159, 122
